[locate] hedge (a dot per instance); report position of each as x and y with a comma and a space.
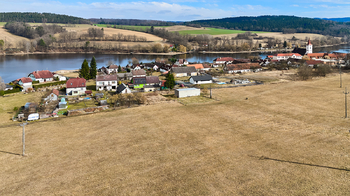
15, 90
48, 84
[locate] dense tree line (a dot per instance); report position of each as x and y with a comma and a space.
290, 24
133, 22
41, 18
25, 30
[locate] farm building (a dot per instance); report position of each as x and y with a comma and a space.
187, 92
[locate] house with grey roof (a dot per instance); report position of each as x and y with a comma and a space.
184, 71
203, 79
106, 82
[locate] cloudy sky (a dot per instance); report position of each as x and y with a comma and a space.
180, 10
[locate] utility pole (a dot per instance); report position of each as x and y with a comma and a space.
23, 137
341, 83
346, 102
210, 92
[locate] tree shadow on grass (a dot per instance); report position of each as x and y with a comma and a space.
299, 163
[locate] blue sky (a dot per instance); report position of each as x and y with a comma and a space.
180, 10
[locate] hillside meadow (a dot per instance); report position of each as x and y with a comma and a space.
275, 139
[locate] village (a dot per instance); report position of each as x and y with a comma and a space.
117, 86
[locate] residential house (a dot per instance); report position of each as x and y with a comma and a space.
125, 76
184, 71
136, 67
106, 82
181, 62
285, 56
139, 82
138, 73
25, 83
197, 66
242, 67
52, 96
206, 67
152, 84
152, 66
41, 76
76, 86
222, 60
60, 77
112, 69
203, 79
8, 87
122, 89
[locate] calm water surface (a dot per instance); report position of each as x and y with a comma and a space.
14, 67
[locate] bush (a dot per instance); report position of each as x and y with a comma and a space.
15, 90
323, 70
35, 82
305, 72
2, 93
48, 84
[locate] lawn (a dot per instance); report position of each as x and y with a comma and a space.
275, 139
2, 24
81, 105
215, 31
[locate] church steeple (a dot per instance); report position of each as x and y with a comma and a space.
309, 47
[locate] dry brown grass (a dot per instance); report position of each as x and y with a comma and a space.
11, 38
221, 147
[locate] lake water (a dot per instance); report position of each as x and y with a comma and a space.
14, 67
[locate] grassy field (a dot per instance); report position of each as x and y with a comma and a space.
140, 28
2, 24
276, 139
214, 31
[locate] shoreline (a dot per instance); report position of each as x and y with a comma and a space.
161, 54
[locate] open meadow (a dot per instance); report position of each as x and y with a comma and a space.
274, 139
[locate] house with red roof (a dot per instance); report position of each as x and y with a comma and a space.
285, 56
25, 83
52, 96
106, 82
222, 60
41, 76
76, 86
197, 66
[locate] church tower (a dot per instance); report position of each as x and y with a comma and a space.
309, 47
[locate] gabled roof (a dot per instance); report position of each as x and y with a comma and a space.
288, 54
76, 83
224, 59
55, 91
197, 66
42, 74
138, 72
236, 61
139, 80
25, 80
152, 79
202, 78
206, 66
113, 67
183, 69
242, 66
300, 51
316, 54
313, 62
121, 87
106, 78
121, 75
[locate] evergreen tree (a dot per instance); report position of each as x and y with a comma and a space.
84, 71
93, 68
170, 81
119, 69
152, 29
41, 43
285, 44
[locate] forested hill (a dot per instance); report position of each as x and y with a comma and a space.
41, 17
287, 24
135, 22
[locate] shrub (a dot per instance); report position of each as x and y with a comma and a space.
2, 93
305, 72
323, 70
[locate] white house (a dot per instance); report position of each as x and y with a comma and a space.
41, 76
122, 89
181, 62
223, 60
184, 71
112, 69
285, 56
242, 67
139, 73
76, 86
60, 78
25, 83
53, 96
204, 79
106, 82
